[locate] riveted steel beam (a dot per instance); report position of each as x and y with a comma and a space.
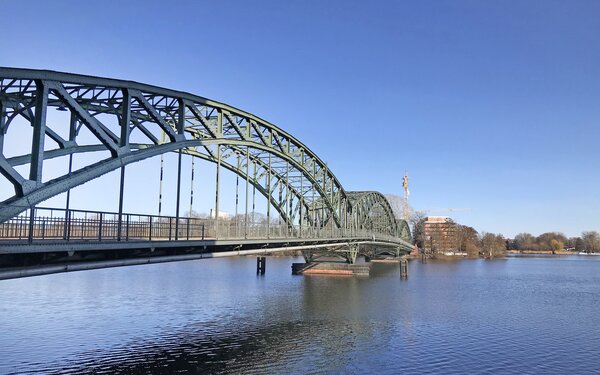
279, 160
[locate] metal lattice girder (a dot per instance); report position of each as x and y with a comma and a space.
296, 182
372, 211
193, 125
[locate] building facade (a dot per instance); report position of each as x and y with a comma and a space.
440, 235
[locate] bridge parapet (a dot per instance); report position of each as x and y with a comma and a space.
54, 226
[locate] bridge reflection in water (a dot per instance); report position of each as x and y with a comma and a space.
129, 122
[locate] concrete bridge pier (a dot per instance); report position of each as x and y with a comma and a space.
347, 265
331, 268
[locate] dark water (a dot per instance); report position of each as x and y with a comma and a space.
509, 316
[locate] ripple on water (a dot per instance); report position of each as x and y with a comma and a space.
517, 316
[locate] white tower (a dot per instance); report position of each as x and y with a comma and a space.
405, 214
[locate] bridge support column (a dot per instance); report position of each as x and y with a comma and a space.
178, 200
31, 224
217, 186
247, 187
72, 134
269, 200
237, 197
261, 263
192, 188
352, 253
253, 230
160, 186
403, 268
2, 121
120, 219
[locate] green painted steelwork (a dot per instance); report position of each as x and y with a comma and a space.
295, 181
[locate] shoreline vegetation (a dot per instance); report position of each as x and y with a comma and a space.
463, 256
542, 252
453, 257
453, 240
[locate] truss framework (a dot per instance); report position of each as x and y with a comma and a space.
295, 181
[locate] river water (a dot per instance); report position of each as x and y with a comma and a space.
520, 315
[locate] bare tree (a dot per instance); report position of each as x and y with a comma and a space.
397, 203
525, 241
417, 228
492, 245
579, 245
551, 241
468, 241
415, 219
556, 245
591, 241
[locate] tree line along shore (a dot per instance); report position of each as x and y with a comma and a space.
447, 237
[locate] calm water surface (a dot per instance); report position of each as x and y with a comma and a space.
508, 316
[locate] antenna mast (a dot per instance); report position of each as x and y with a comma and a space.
406, 193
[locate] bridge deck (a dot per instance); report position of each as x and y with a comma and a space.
60, 241
42, 246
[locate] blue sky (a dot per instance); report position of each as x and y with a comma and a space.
490, 105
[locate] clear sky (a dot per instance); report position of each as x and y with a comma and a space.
490, 105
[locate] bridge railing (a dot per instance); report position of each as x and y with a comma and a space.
60, 225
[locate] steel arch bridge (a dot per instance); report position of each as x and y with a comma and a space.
130, 122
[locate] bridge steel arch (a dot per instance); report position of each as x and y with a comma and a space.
371, 212
126, 120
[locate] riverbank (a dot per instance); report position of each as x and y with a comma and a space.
541, 252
